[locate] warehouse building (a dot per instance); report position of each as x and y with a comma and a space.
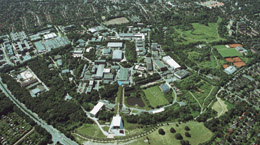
117, 55
172, 63
100, 72
96, 109
149, 63
159, 65
115, 45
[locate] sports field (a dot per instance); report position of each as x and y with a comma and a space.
227, 52
200, 32
155, 96
199, 134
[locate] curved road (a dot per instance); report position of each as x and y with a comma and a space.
57, 136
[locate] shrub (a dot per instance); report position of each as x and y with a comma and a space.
161, 131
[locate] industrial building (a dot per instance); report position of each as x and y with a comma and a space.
117, 55
159, 65
149, 63
131, 36
100, 71
96, 109
172, 63
115, 45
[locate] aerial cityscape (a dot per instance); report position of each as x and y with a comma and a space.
130, 72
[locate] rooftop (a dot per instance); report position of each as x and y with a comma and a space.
96, 108
115, 44
117, 55
124, 75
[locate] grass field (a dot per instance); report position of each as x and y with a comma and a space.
220, 107
155, 96
199, 134
227, 52
200, 33
90, 130
117, 21
203, 91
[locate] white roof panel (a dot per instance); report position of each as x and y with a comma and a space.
96, 108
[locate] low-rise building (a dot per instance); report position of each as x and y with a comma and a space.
117, 55
100, 71
181, 74
230, 70
115, 45
159, 65
96, 109
172, 63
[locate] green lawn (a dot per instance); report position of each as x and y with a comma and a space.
228, 52
203, 91
199, 134
155, 96
200, 33
90, 130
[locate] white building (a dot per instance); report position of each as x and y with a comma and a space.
96, 109
172, 63
49, 36
115, 44
117, 127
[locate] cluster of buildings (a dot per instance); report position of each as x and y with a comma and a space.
12, 127
248, 78
242, 126
19, 47
30, 81
212, 4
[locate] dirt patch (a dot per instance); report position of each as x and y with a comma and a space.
117, 21
135, 101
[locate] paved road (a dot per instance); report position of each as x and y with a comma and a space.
57, 136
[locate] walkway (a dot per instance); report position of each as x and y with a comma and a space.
24, 136
96, 121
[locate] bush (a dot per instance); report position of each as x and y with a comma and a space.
187, 134
172, 130
184, 142
178, 136
187, 128
161, 131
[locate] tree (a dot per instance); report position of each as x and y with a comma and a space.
184, 142
161, 131
178, 136
187, 134
187, 128
172, 130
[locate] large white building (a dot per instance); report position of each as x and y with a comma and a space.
96, 109
172, 63
117, 128
115, 44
